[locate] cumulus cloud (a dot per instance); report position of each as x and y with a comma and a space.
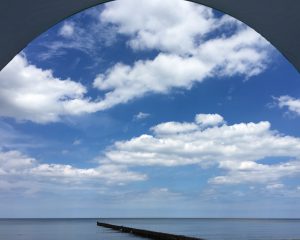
209, 119
292, 104
31, 93
160, 25
160, 75
16, 166
257, 173
173, 128
192, 43
237, 149
187, 55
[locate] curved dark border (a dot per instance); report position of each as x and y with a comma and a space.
276, 20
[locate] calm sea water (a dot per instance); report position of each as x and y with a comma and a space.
210, 229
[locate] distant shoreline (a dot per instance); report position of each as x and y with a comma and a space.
167, 218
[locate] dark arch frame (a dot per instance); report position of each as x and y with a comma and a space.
276, 20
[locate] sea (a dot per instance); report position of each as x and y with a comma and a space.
206, 228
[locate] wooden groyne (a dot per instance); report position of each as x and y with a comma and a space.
146, 233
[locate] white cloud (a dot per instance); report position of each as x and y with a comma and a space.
258, 173
16, 166
88, 36
141, 115
125, 83
174, 128
293, 104
67, 30
160, 25
237, 149
275, 186
77, 142
13, 161
31, 93
244, 53
209, 119
187, 56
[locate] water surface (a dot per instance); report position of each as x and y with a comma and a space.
210, 229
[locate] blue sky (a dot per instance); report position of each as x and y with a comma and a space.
181, 112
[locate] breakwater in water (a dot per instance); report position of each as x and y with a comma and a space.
146, 233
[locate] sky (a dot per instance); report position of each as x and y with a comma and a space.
171, 110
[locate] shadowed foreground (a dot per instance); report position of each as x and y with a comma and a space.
146, 233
